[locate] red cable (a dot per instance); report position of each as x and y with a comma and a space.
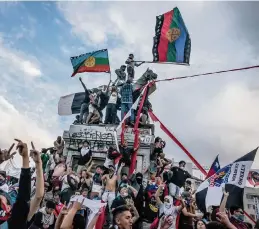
209, 73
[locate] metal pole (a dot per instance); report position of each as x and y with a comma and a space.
154, 62
109, 65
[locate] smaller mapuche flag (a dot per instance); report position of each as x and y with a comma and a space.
97, 61
172, 42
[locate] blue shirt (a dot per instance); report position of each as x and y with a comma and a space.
126, 93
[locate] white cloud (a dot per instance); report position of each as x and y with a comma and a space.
13, 60
16, 125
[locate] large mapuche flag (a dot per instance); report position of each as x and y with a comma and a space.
233, 177
172, 42
97, 61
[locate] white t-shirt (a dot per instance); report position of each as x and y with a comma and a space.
4, 188
172, 212
113, 98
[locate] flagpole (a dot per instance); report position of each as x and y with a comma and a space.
109, 65
157, 62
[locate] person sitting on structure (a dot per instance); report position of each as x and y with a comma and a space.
94, 115
130, 66
77, 121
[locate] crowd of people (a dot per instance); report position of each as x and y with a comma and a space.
117, 97
161, 197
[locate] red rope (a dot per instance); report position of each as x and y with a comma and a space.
155, 119
209, 73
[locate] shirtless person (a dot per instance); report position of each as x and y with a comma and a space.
110, 185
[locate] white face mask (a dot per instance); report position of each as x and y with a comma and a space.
167, 205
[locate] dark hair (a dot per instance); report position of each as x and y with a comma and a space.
249, 225
157, 139
215, 225
124, 174
79, 222
118, 211
233, 209
139, 175
85, 141
196, 223
181, 162
50, 204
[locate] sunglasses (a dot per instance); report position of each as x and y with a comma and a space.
241, 212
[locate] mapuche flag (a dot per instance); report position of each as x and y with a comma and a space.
97, 61
172, 42
233, 177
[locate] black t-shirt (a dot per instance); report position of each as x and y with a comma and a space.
179, 176
86, 99
103, 100
84, 159
126, 155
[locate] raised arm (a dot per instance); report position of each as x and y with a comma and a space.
35, 203
90, 167
83, 84
9, 151
68, 220
20, 208
135, 213
119, 172
157, 195
222, 207
135, 192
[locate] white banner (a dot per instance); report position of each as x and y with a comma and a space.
256, 207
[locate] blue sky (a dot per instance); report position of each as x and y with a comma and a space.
209, 114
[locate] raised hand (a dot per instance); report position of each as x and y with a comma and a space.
77, 205
223, 218
35, 154
22, 148
224, 191
64, 210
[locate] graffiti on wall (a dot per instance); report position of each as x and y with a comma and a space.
101, 137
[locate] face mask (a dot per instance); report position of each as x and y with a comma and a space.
139, 180
167, 205
2, 182
241, 217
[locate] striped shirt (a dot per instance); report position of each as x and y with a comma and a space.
126, 93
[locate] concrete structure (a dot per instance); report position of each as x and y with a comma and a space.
251, 202
100, 138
